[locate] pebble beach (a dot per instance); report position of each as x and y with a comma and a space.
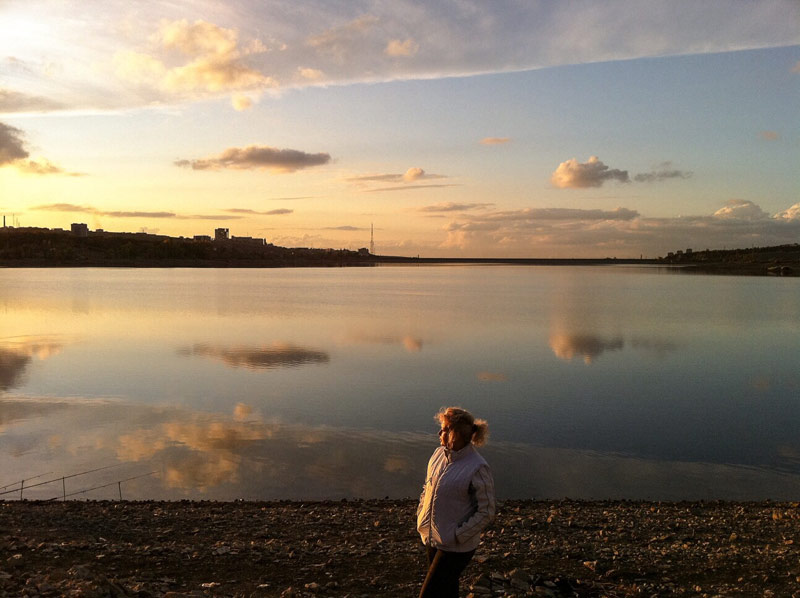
365, 548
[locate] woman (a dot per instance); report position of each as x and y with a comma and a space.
457, 501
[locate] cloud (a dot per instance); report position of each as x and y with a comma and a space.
16, 353
739, 209
345, 228
344, 40
454, 207
278, 212
769, 135
411, 175
791, 214
397, 48
574, 175
68, 207
796, 67
241, 48
12, 145
495, 140
491, 377
13, 153
210, 57
310, 74
567, 232
258, 157
241, 103
407, 187
662, 172
13, 101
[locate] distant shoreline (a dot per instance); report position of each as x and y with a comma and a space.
46, 248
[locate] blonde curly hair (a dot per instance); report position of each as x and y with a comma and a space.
466, 425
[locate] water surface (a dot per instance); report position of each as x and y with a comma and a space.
321, 383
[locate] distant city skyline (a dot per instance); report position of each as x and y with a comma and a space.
544, 129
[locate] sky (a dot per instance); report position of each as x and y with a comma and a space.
455, 128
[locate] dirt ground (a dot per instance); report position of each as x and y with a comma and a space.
370, 548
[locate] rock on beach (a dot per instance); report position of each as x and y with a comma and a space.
367, 548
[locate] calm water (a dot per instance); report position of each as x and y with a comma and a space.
259, 384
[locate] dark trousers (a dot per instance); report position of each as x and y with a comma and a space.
444, 569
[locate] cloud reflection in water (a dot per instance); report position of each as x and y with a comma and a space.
17, 352
258, 358
222, 456
591, 346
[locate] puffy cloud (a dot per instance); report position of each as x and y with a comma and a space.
769, 135
454, 207
575, 175
560, 232
412, 175
12, 146
212, 62
791, 214
397, 48
739, 209
13, 153
492, 377
495, 140
258, 157
662, 172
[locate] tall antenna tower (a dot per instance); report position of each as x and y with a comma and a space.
371, 238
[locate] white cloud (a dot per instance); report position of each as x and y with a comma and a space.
739, 209
243, 46
791, 214
593, 173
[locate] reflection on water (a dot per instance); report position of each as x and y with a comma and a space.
691, 391
277, 355
17, 352
245, 455
590, 347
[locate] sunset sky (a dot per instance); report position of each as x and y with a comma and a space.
457, 127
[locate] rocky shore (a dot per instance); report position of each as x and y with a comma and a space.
369, 548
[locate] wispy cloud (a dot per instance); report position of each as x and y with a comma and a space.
242, 51
258, 157
662, 172
345, 227
14, 101
769, 135
73, 208
454, 207
495, 140
278, 212
410, 175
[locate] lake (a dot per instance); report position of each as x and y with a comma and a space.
597, 382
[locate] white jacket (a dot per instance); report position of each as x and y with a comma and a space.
457, 501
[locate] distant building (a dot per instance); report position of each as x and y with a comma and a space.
248, 240
202, 237
80, 229
363, 251
221, 234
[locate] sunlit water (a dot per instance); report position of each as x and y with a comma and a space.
597, 382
